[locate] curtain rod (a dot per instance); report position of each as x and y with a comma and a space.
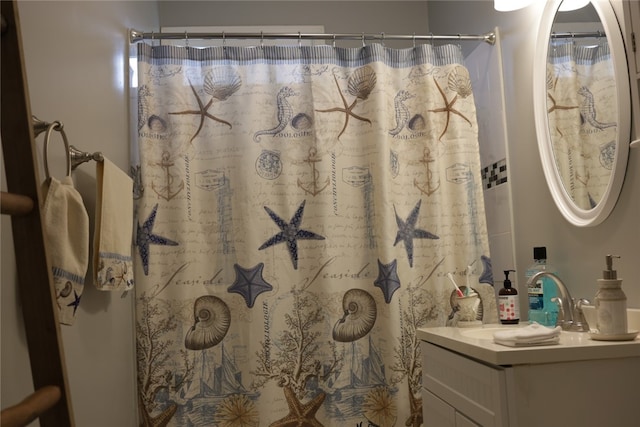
137, 36
570, 35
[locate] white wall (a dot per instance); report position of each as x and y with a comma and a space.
77, 72
485, 68
577, 253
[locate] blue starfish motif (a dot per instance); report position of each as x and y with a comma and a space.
75, 303
388, 280
290, 233
407, 231
487, 272
145, 237
249, 283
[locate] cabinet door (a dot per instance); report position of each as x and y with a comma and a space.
472, 388
436, 412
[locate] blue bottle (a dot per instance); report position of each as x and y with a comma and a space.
541, 307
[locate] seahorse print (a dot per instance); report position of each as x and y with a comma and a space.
285, 114
588, 110
402, 112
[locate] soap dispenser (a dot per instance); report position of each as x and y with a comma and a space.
509, 306
610, 302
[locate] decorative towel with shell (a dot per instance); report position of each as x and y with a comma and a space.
533, 334
66, 230
112, 240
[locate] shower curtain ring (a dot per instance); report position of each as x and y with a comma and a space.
414, 40
299, 40
224, 41
382, 37
186, 39
261, 40
363, 43
431, 39
334, 40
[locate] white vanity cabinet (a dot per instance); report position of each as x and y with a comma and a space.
578, 383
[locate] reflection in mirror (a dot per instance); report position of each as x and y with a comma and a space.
582, 103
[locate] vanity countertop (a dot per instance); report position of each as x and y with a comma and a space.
573, 346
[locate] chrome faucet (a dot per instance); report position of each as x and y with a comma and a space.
571, 317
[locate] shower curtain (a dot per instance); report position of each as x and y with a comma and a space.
582, 117
298, 211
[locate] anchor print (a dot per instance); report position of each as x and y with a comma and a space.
429, 187
313, 187
167, 191
360, 85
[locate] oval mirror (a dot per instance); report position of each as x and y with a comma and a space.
582, 108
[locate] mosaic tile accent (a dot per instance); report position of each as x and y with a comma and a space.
494, 175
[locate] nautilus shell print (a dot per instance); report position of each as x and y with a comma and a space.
359, 316
361, 82
459, 82
222, 82
212, 320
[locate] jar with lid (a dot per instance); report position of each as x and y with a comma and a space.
611, 302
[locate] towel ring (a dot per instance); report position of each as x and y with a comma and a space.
56, 125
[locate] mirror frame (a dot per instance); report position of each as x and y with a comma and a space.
572, 213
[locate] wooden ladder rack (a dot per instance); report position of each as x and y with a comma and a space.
51, 401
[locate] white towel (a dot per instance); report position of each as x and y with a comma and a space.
66, 230
112, 239
533, 334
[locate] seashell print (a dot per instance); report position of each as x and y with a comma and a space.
212, 320
66, 290
301, 121
361, 82
417, 123
459, 82
359, 316
157, 123
222, 82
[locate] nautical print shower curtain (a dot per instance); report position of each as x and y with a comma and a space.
298, 210
582, 109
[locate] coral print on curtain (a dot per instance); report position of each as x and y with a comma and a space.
299, 210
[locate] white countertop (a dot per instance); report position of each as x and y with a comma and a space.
572, 346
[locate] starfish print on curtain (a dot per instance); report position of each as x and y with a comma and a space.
249, 283
360, 85
407, 231
290, 233
145, 237
459, 86
300, 414
220, 83
388, 280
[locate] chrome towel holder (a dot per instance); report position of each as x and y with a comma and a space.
74, 156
